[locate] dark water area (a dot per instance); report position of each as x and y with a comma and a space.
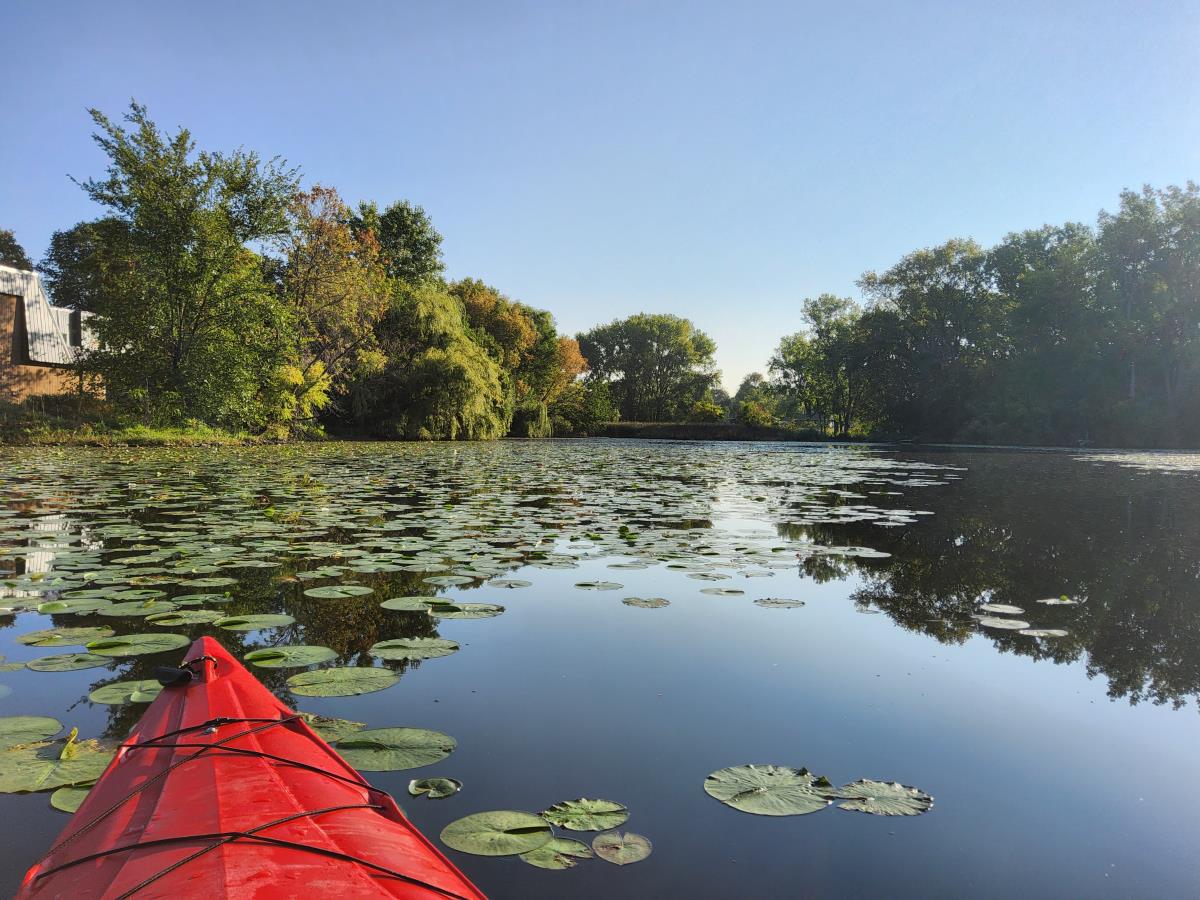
1062, 764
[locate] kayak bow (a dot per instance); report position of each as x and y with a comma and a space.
222, 791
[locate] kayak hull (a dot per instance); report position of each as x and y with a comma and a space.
222, 791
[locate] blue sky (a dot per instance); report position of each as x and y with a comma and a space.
720, 161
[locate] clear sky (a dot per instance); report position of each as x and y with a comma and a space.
720, 161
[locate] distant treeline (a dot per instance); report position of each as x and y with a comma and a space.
1060, 335
224, 294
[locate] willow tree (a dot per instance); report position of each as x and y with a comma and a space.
437, 383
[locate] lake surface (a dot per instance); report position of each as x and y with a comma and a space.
1063, 766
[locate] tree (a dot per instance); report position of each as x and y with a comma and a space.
11, 252
657, 366
86, 264
191, 329
336, 289
410, 247
437, 384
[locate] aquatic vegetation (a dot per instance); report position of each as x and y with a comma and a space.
622, 849
586, 815
767, 790
497, 833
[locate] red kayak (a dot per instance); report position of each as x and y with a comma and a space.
222, 791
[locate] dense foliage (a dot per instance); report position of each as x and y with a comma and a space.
1057, 335
224, 294
11, 252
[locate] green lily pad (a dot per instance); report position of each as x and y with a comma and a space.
466, 610
63, 637
434, 788
884, 798
778, 603
185, 617
74, 605
42, 767
586, 815
509, 583
137, 644
126, 692
647, 602
598, 585
339, 591
559, 853
410, 604
413, 648
1004, 609
722, 592
502, 832
392, 749
331, 729
214, 581
137, 608
26, 729
66, 662
253, 622
1002, 624
70, 798
622, 849
341, 681
1044, 632
290, 656
765, 790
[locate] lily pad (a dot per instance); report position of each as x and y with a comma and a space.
509, 583
341, 681
290, 656
185, 617
339, 591
66, 662
1045, 632
253, 622
1002, 624
647, 602
598, 585
722, 592
766, 790
622, 849
1004, 609
126, 692
392, 749
63, 637
73, 605
136, 608
434, 788
42, 767
70, 798
586, 815
778, 603
331, 729
466, 610
1051, 601
503, 832
26, 729
137, 644
559, 853
884, 798
409, 604
413, 648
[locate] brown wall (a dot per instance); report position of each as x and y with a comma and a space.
19, 380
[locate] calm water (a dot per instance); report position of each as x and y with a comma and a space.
1061, 767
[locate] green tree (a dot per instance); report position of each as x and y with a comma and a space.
410, 247
11, 252
656, 365
86, 264
191, 329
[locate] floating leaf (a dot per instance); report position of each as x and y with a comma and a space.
391, 749
434, 788
410, 604
339, 591
343, 681
559, 853
1045, 632
66, 662
883, 798
217, 581
586, 815
137, 644
598, 585
722, 592
26, 729
42, 767
185, 617
253, 622
622, 849
330, 729
126, 692
1064, 600
1004, 609
766, 790
413, 648
778, 603
70, 798
509, 583
135, 608
503, 832
73, 605
647, 602
63, 637
290, 655
466, 610
1002, 624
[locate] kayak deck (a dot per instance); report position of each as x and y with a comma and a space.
222, 790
